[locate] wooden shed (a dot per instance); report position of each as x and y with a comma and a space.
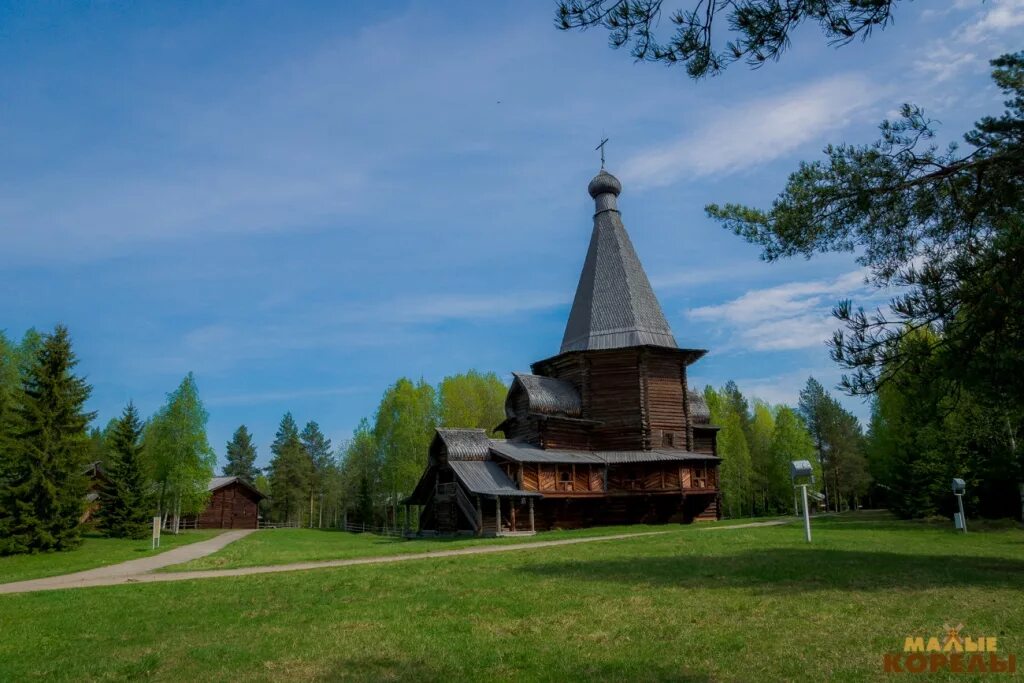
605, 432
234, 504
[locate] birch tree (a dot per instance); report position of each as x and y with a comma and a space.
182, 462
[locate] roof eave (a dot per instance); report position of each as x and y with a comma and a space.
243, 482
693, 355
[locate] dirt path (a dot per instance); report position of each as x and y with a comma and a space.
127, 571
107, 577
774, 522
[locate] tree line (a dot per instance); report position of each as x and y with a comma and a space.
757, 442
919, 437
364, 480
161, 466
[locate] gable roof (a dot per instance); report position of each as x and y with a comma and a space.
221, 482
96, 470
615, 306
548, 395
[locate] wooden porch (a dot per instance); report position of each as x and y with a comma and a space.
452, 511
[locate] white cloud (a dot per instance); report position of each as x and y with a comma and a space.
755, 132
987, 26
941, 62
791, 316
998, 16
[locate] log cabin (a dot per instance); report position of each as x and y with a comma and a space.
234, 504
605, 432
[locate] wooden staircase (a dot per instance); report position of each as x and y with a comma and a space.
449, 501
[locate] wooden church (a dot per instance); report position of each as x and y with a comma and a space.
604, 432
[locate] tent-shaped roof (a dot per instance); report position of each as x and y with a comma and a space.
614, 306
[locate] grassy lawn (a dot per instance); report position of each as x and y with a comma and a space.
744, 604
95, 551
283, 546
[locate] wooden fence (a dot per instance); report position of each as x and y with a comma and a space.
377, 530
278, 525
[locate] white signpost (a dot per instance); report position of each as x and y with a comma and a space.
156, 533
801, 469
959, 519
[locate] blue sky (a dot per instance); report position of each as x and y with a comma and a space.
302, 202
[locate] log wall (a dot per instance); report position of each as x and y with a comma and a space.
614, 398
231, 507
557, 434
664, 407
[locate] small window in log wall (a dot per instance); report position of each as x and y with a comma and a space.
700, 477
668, 439
565, 478
632, 478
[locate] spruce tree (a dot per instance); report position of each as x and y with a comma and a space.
290, 471
8, 391
42, 496
126, 501
241, 456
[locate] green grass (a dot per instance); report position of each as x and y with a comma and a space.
95, 551
744, 604
284, 546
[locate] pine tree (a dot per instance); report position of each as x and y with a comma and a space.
42, 496
9, 386
321, 460
241, 456
126, 501
15, 360
814, 408
290, 472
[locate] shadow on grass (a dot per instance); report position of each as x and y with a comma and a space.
795, 569
370, 668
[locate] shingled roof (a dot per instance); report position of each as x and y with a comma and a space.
699, 410
548, 395
615, 306
463, 444
220, 482
485, 478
